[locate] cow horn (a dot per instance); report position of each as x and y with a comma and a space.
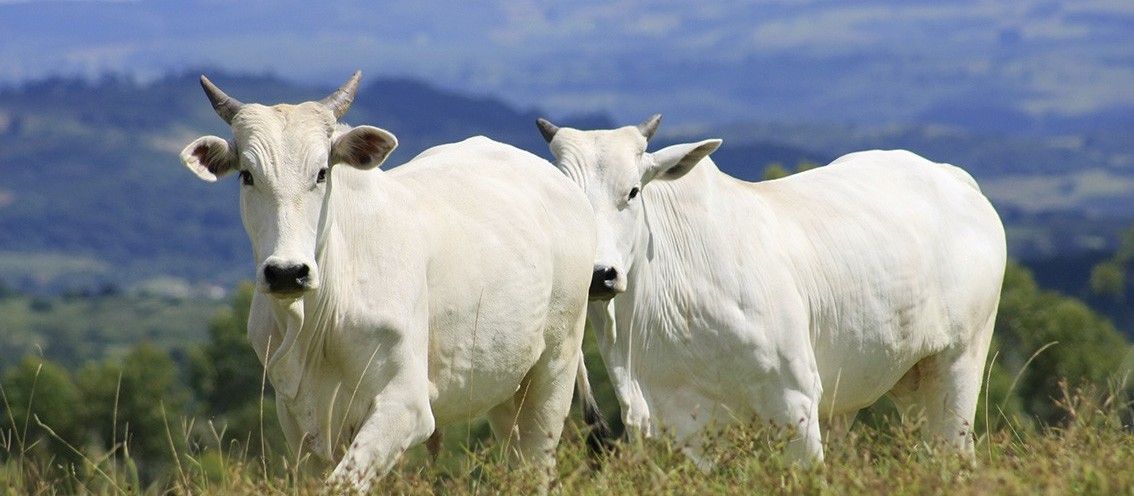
546, 128
226, 106
339, 101
650, 126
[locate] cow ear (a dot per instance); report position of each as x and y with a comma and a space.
210, 158
363, 147
674, 161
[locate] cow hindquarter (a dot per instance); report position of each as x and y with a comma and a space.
909, 307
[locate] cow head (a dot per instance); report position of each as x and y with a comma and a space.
613, 167
283, 155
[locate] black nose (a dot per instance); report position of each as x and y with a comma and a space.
286, 278
602, 282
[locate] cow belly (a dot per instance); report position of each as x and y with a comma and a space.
857, 372
855, 386
471, 380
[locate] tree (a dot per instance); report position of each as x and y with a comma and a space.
776, 170
139, 403
228, 378
1044, 337
39, 391
225, 372
1108, 278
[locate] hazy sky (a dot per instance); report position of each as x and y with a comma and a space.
718, 59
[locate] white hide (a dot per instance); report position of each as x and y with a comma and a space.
451, 287
793, 301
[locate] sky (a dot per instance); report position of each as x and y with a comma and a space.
704, 61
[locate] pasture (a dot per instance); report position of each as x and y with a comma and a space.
1090, 453
197, 418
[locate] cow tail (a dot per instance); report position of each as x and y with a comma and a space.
599, 436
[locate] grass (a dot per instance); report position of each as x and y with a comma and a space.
1090, 453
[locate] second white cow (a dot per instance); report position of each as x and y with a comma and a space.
393, 303
793, 301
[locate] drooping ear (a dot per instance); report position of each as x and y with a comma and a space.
674, 161
363, 147
210, 158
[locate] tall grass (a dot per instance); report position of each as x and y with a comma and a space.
1092, 452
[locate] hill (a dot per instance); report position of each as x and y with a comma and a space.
93, 194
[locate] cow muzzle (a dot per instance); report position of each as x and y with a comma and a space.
286, 279
606, 283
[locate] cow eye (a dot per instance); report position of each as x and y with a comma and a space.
246, 178
322, 177
633, 193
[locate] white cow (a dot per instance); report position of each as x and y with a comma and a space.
393, 303
792, 301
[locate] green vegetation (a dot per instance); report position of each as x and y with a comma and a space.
1108, 277
777, 170
1089, 454
76, 328
198, 418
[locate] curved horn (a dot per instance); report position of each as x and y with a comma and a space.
225, 105
546, 128
650, 126
339, 101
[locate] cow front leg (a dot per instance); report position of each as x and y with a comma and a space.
394, 425
790, 401
805, 446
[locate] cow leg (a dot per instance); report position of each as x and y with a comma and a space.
502, 420
545, 408
396, 422
291, 431
946, 388
792, 403
690, 417
532, 421
799, 414
947, 395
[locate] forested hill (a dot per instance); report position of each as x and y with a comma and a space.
92, 192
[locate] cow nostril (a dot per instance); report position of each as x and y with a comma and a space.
603, 281
606, 273
287, 278
273, 273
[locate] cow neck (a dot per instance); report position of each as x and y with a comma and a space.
309, 319
673, 245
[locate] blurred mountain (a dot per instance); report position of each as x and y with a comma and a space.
92, 192
1038, 66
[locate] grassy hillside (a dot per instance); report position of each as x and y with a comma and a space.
1091, 454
